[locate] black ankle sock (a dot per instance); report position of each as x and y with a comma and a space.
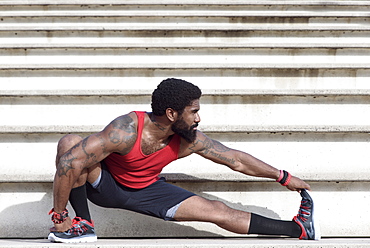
266, 226
78, 200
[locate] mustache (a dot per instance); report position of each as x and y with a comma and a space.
195, 125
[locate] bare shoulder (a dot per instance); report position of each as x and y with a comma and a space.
122, 132
124, 122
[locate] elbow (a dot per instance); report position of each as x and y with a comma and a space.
67, 168
236, 166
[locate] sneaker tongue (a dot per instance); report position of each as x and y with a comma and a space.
76, 220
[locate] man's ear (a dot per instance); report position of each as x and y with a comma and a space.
172, 114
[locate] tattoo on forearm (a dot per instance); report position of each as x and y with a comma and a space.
65, 163
215, 149
215, 145
222, 158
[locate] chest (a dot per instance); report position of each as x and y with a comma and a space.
150, 145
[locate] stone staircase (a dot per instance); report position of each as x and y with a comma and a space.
286, 81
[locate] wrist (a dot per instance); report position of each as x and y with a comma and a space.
58, 218
281, 175
284, 178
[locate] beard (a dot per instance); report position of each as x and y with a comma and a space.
183, 130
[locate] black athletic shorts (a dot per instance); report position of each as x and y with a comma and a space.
154, 200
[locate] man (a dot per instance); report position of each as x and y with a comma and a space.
119, 167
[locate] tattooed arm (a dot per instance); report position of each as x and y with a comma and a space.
119, 136
238, 160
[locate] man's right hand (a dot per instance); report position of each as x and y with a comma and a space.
62, 227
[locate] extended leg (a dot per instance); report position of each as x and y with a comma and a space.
197, 208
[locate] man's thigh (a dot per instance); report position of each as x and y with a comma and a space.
197, 208
154, 200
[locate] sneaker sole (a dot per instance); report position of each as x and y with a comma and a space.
316, 225
81, 239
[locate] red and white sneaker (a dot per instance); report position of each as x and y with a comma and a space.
81, 231
305, 218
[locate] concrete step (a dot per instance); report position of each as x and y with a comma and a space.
196, 243
146, 90
180, 27
205, 3
54, 43
206, 78
299, 111
185, 58
87, 129
169, 35
43, 65
149, 15
192, 2
15, 14
165, 3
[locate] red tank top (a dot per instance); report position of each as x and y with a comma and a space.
137, 170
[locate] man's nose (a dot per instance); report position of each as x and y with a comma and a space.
197, 118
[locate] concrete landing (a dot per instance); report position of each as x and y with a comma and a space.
198, 243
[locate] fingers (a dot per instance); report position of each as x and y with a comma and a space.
62, 227
308, 187
297, 184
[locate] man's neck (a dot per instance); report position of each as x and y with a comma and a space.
161, 126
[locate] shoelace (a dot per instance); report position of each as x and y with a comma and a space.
77, 228
303, 212
76, 220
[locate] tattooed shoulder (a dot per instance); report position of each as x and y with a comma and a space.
123, 132
123, 122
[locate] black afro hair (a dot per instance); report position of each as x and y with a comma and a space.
174, 93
